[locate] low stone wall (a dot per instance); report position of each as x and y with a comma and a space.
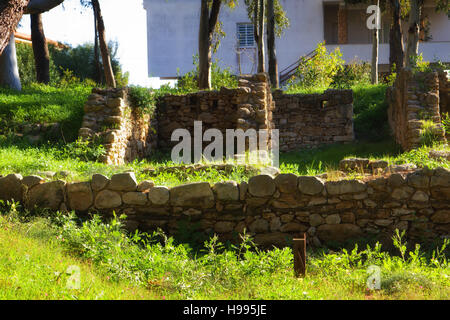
273, 210
308, 120
123, 129
246, 107
444, 93
413, 99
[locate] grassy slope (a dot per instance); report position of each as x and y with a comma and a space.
44, 104
30, 265
29, 260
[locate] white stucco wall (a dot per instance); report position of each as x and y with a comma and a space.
173, 36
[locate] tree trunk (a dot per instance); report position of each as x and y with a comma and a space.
273, 64
375, 45
208, 22
11, 11
412, 49
396, 48
97, 67
9, 72
261, 47
106, 59
40, 49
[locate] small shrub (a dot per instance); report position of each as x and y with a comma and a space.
357, 72
142, 98
318, 71
85, 150
219, 78
446, 123
427, 134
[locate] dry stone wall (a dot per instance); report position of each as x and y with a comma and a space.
246, 107
272, 209
308, 120
414, 99
124, 130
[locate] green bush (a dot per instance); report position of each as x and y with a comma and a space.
69, 65
370, 112
27, 68
142, 98
355, 73
219, 78
318, 71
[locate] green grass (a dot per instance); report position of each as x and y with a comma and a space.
28, 160
33, 266
112, 261
43, 104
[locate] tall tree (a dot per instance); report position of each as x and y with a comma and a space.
376, 43
40, 49
273, 63
396, 48
268, 12
412, 48
106, 59
11, 11
208, 22
259, 33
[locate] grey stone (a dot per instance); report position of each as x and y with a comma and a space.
345, 186
48, 195
108, 199
333, 219
159, 195
338, 232
310, 185
286, 182
261, 186
420, 196
135, 198
145, 185
31, 181
80, 196
293, 227
227, 191
99, 182
259, 226
194, 195
11, 188
316, 220
123, 182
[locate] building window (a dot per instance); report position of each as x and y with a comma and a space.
245, 35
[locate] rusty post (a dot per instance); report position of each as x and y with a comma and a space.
299, 248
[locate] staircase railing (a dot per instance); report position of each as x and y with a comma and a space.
289, 71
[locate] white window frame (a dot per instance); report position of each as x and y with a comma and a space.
249, 33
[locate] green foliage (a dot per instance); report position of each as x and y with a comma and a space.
354, 73
27, 67
319, 70
68, 65
419, 65
175, 270
38, 103
370, 112
142, 98
428, 135
219, 78
446, 122
281, 20
85, 150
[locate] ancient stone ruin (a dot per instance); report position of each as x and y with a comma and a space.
302, 120
272, 209
414, 99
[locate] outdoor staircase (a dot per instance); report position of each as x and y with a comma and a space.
289, 71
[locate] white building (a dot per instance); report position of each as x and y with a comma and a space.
173, 35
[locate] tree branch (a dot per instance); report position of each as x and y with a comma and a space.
40, 6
